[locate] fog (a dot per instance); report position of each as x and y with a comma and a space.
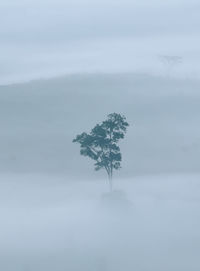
50, 224
56, 212
40, 119
53, 38
66, 65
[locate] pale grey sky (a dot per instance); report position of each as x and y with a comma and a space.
52, 38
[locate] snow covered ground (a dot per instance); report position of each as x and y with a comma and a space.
50, 223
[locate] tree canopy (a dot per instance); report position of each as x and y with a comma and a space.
101, 143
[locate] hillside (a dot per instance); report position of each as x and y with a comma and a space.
39, 120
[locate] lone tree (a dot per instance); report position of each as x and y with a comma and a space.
170, 62
101, 144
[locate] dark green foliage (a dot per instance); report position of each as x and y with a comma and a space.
101, 143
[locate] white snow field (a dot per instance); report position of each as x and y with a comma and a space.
54, 224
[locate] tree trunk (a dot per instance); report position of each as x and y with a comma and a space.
110, 183
109, 172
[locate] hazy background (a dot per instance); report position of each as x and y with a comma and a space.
53, 211
65, 65
50, 38
50, 224
40, 119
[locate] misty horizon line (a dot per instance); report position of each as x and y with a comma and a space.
66, 75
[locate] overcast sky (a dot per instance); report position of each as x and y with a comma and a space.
54, 37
